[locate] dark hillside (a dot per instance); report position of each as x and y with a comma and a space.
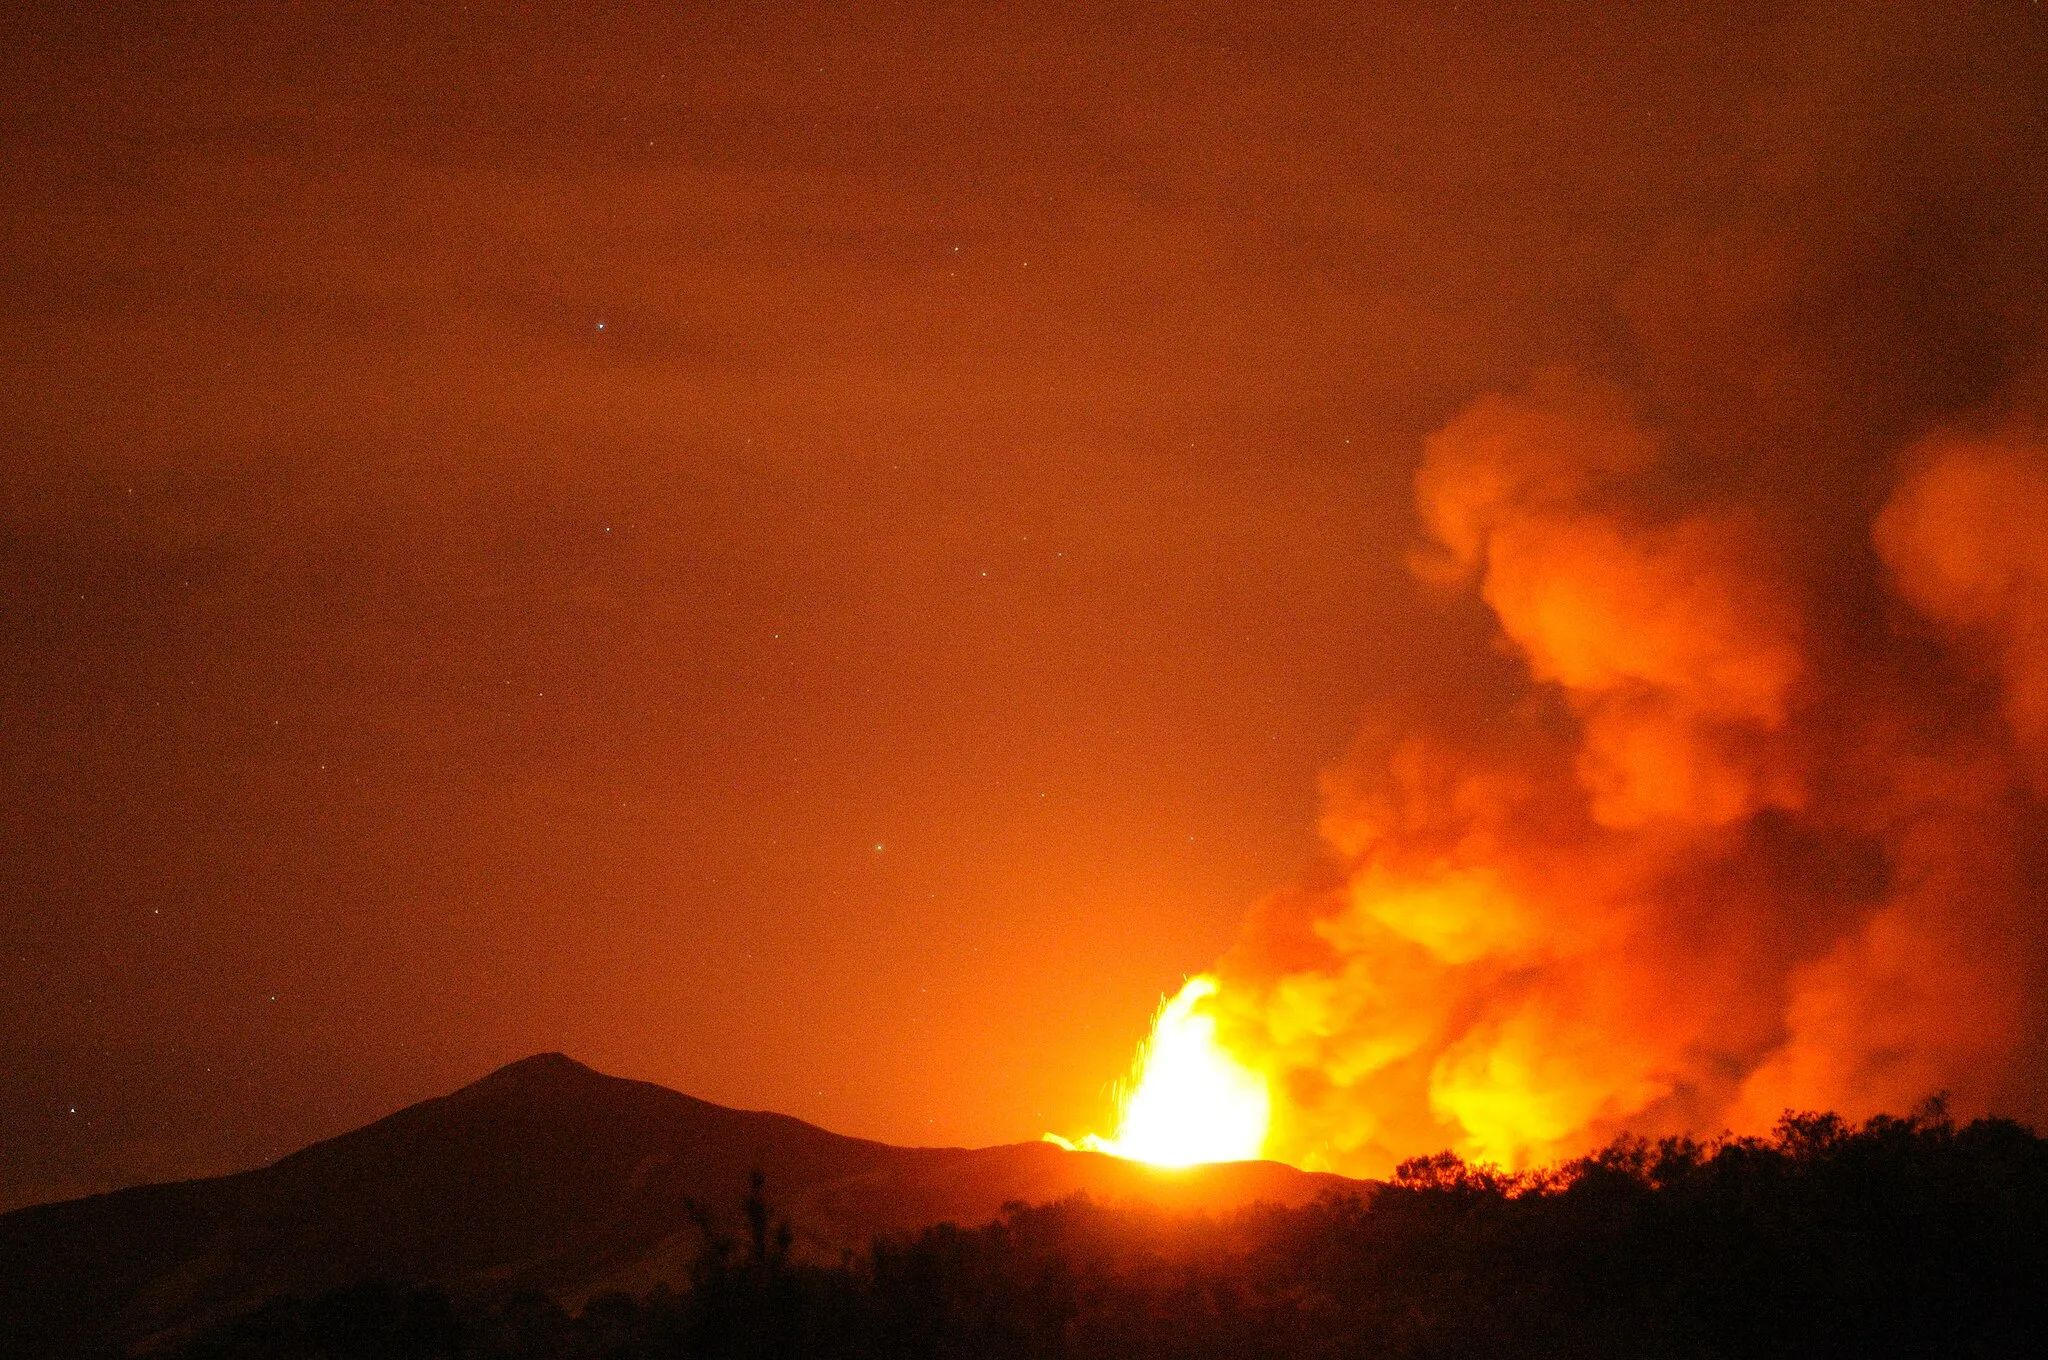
544, 1175
1908, 1238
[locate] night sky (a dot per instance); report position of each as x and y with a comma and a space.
818, 556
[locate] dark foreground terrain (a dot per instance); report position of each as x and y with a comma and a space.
549, 1212
1904, 1237
545, 1177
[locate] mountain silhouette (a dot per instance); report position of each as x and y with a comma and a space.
544, 1175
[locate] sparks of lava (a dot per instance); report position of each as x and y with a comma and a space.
1191, 1101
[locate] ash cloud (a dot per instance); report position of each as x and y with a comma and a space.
1764, 827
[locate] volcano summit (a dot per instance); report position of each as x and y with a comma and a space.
544, 1175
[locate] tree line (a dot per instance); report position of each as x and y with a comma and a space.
1902, 1236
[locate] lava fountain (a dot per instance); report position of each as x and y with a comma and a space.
1189, 1100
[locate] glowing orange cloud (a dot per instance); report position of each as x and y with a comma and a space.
1693, 880
1966, 536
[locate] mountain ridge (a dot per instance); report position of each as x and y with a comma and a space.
543, 1174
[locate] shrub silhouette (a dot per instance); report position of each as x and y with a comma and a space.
1904, 1236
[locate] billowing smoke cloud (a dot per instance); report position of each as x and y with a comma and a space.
1679, 660
1942, 988
1966, 537
1710, 868
1763, 826
1707, 870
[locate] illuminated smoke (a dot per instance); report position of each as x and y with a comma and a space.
1967, 538
1697, 876
1763, 822
1942, 987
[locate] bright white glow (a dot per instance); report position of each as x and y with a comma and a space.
1192, 1102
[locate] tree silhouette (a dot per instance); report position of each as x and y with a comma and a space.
1902, 1236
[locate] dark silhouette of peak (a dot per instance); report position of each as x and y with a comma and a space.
545, 1174
558, 1067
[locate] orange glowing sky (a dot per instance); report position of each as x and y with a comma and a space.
818, 555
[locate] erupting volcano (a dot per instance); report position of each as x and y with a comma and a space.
1191, 1100
1291, 586
1733, 846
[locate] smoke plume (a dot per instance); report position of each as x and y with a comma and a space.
1763, 826
1710, 867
